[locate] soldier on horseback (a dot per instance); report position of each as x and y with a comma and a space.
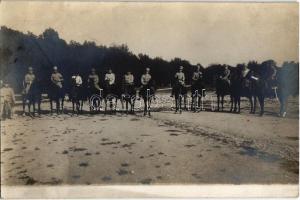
179, 79
226, 75
129, 78
145, 80
110, 78
56, 77
147, 90
27, 82
197, 88
93, 79
56, 92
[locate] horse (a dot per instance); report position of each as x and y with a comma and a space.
32, 96
197, 93
128, 95
180, 91
56, 94
222, 89
240, 87
147, 92
76, 96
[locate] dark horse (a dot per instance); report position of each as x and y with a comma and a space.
33, 97
147, 92
222, 89
56, 94
253, 86
129, 96
240, 87
197, 92
180, 92
76, 96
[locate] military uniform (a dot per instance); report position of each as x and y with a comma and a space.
95, 80
8, 100
29, 78
145, 79
110, 78
180, 77
78, 80
197, 75
129, 79
57, 79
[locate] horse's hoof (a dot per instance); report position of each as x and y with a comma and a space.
261, 114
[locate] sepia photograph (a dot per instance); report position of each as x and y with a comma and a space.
149, 99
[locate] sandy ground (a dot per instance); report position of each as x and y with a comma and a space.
167, 148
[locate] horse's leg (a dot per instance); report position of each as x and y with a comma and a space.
239, 104
39, 106
192, 103
262, 105
180, 104
51, 106
105, 108
126, 106
57, 106
199, 102
33, 107
149, 104
81, 106
254, 104
231, 102
145, 106
29, 106
222, 102
235, 103
218, 101
251, 104
62, 104
24, 104
176, 103
185, 102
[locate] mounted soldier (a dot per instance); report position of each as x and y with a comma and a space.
27, 82
179, 79
179, 90
76, 93
93, 79
94, 90
128, 91
56, 92
197, 88
147, 90
56, 77
226, 75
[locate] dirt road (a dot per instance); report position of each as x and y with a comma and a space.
191, 148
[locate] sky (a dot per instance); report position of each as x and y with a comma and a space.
205, 33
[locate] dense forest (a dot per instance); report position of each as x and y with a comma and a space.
18, 51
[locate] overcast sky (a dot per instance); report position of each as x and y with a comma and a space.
199, 32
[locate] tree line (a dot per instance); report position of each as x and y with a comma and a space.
20, 50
